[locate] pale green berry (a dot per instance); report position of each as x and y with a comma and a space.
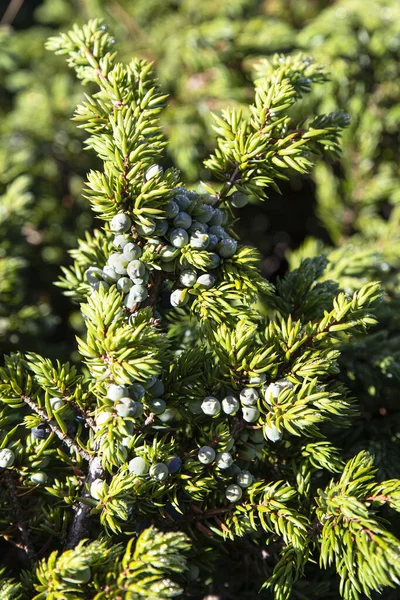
157, 406
159, 471
136, 269
257, 436
123, 410
238, 200
7, 458
100, 284
98, 488
230, 405
272, 433
93, 275
183, 220
120, 241
124, 284
206, 455
137, 293
153, 171
249, 396
199, 240
179, 298
216, 218
179, 237
257, 378
145, 229
110, 274
116, 392
195, 407
103, 418
131, 252
157, 388
223, 460
233, 492
250, 414
118, 262
215, 260
138, 466
211, 406
188, 277
227, 248
274, 389
56, 403
168, 415
206, 281
171, 209
168, 253
120, 223
39, 478
244, 479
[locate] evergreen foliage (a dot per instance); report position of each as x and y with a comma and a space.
210, 409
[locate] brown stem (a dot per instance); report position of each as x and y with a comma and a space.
22, 524
56, 430
80, 524
11, 12
228, 185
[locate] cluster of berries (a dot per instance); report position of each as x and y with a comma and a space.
190, 222
7, 459
128, 402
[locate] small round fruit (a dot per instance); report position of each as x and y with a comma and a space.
274, 389
188, 278
161, 227
41, 432
118, 262
171, 209
211, 406
212, 242
179, 298
257, 378
120, 241
233, 492
206, 281
199, 240
103, 418
153, 171
238, 200
157, 406
272, 433
174, 464
196, 226
144, 229
206, 455
250, 414
159, 471
40, 478
137, 293
206, 214
216, 218
7, 458
218, 231
227, 248
179, 237
182, 201
116, 392
230, 405
131, 252
223, 460
183, 220
215, 260
93, 275
120, 223
249, 396
110, 274
244, 479
124, 284
56, 403
168, 253
195, 407
136, 269
123, 410
97, 488
138, 466
157, 388
137, 391
138, 409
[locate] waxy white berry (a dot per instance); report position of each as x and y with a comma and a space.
116, 392
211, 406
120, 223
233, 492
159, 471
248, 396
7, 458
230, 405
206, 455
244, 479
138, 466
272, 433
223, 460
